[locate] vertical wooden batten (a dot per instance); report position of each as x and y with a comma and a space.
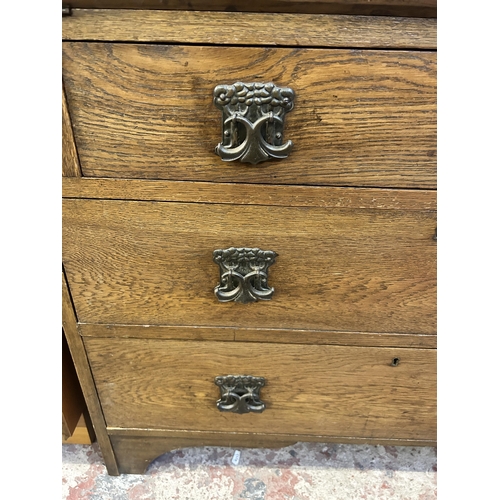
70, 162
77, 350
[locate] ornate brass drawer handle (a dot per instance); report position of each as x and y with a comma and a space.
243, 274
253, 117
240, 393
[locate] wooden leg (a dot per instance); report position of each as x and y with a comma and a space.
82, 367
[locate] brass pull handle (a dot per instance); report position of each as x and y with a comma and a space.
240, 393
253, 118
244, 274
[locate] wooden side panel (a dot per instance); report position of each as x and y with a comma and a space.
328, 390
70, 164
148, 263
237, 28
361, 118
417, 8
79, 356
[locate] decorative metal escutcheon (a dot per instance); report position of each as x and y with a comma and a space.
243, 274
240, 393
253, 118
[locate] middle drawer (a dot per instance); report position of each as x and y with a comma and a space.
348, 269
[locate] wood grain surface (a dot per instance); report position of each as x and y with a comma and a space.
361, 118
239, 28
136, 448
70, 164
317, 337
249, 194
417, 8
151, 263
327, 390
82, 368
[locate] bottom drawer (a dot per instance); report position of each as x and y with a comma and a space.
360, 392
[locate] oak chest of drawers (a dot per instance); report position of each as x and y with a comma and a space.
316, 230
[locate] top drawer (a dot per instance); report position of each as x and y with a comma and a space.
361, 117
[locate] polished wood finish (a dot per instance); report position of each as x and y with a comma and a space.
136, 448
79, 356
416, 8
239, 28
249, 194
325, 390
338, 269
70, 163
146, 111
264, 335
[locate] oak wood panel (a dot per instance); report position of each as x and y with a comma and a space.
82, 368
238, 28
259, 335
249, 194
151, 263
136, 448
326, 390
417, 8
361, 118
70, 164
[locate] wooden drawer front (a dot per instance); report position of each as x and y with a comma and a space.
326, 390
337, 269
361, 117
